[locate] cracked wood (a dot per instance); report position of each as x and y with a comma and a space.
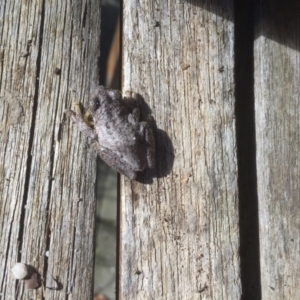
47, 174
179, 237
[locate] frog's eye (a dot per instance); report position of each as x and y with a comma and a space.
94, 104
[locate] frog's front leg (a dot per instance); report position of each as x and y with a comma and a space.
85, 126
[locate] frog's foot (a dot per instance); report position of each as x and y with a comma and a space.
77, 117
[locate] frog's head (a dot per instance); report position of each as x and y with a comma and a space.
102, 98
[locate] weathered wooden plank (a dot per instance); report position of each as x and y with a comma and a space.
48, 59
179, 236
277, 90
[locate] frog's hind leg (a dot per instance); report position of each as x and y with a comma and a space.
132, 101
116, 162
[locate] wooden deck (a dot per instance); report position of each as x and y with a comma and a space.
218, 218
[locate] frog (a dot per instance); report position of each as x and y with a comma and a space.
120, 136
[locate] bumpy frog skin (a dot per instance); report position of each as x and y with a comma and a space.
122, 140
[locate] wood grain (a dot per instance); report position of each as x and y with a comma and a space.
48, 59
179, 235
277, 102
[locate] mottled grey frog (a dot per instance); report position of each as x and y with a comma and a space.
123, 140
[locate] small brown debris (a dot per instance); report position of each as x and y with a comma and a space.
57, 71
187, 177
185, 66
156, 24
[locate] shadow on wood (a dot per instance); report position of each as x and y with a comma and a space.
164, 150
